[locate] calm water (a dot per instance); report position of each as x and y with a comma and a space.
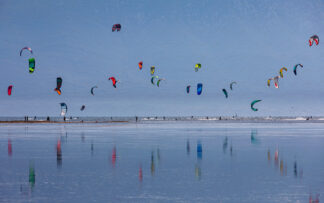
161, 162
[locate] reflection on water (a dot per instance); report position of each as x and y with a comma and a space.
225, 143
58, 154
114, 156
152, 164
9, 147
140, 173
188, 147
32, 176
239, 163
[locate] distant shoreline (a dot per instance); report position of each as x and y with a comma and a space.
67, 122
136, 119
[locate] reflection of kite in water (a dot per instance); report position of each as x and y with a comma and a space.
280, 72
63, 109
199, 150
114, 81
140, 174
9, 147
188, 89
32, 63
296, 66
152, 164
254, 139
225, 93
9, 90
152, 70
140, 65
252, 105
116, 27
197, 67
58, 85
58, 153
26, 48
313, 39
199, 88
92, 89
231, 85
32, 175
82, 107
114, 156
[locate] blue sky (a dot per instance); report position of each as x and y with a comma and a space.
243, 41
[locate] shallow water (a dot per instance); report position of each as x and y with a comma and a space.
159, 162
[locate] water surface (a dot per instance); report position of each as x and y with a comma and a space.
161, 162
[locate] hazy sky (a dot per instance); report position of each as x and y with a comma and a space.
243, 41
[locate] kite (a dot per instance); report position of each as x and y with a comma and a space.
158, 82
296, 66
26, 48
152, 79
197, 67
32, 63
92, 89
58, 85
276, 81
63, 109
313, 39
9, 89
231, 85
280, 72
199, 88
188, 89
225, 93
252, 104
114, 81
116, 27
152, 70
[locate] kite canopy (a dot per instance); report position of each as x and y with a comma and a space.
276, 81
92, 89
231, 85
82, 107
199, 88
140, 65
114, 81
268, 82
152, 70
26, 48
58, 85
313, 39
152, 79
9, 89
225, 93
296, 66
32, 63
63, 109
280, 71
197, 67
116, 27
252, 105
188, 89
158, 82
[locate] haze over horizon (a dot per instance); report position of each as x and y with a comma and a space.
243, 41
